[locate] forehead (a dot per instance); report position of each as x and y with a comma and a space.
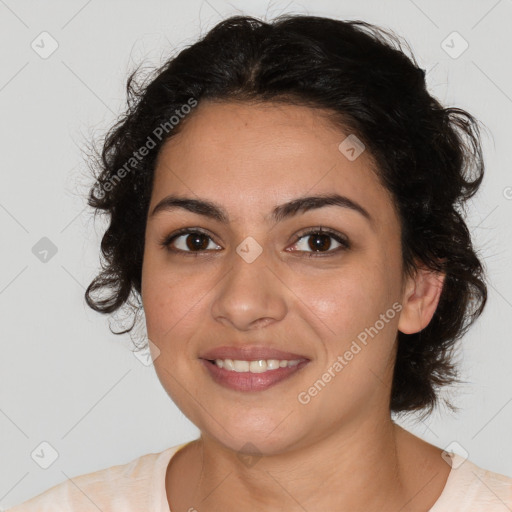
258, 155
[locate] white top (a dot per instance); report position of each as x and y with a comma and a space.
140, 486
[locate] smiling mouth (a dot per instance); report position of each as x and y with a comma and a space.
255, 366
243, 378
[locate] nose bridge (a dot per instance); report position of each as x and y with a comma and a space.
249, 293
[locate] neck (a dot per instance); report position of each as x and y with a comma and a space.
369, 466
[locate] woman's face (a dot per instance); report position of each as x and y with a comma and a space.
252, 279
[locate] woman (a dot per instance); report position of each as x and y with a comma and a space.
231, 165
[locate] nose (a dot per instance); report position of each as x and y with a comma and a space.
250, 296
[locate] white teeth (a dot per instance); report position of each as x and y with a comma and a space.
259, 366
273, 364
241, 366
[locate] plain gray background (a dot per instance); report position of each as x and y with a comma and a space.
65, 379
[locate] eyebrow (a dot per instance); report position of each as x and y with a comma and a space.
286, 210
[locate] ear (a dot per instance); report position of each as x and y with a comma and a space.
420, 299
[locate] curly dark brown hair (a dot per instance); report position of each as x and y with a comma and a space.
429, 157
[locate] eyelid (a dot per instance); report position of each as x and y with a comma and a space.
322, 230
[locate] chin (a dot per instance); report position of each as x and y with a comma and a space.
269, 438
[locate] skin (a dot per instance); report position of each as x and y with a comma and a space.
341, 451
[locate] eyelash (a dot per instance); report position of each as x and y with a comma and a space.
168, 239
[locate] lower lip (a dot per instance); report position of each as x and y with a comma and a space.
247, 381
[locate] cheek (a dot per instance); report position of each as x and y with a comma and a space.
171, 300
356, 316
172, 312
346, 299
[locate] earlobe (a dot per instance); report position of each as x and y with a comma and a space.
420, 300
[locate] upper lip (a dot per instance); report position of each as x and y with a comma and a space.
249, 353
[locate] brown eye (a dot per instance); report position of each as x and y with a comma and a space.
321, 241
189, 240
196, 242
